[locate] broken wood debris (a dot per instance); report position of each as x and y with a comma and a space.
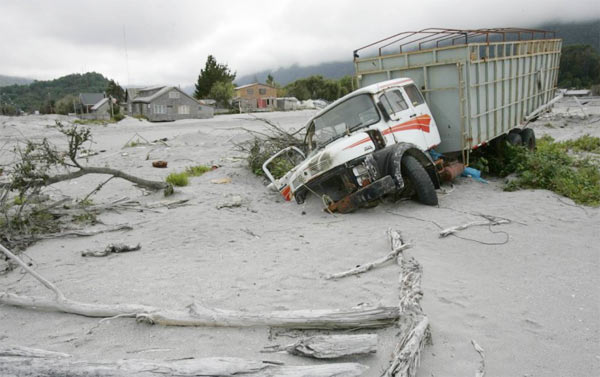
330, 346
29, 362
160, 164
397, 248
354, 318
110, 249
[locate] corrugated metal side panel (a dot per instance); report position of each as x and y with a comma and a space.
506, 82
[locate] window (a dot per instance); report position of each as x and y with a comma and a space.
159, 109
262, 91
250, 91
414, 95
183, 109
354, 113
393, 102
174, 94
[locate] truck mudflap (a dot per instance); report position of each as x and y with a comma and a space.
365, 195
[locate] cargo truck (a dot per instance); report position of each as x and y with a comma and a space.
421, 95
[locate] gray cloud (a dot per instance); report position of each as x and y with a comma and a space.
167, 42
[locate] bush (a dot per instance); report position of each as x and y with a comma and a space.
118, 117
196, 171
550, 167
178, 179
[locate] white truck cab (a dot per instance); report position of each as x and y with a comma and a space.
359, 147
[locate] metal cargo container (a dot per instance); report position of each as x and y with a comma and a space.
479, 84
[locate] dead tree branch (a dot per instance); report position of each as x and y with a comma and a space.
489, 221
397, 248
27, 362
111, 249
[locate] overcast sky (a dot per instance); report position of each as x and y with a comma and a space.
167, 42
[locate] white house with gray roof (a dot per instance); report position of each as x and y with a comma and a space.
165, 103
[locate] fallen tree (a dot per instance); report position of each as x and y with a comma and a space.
354, 318
37, 165
28, 362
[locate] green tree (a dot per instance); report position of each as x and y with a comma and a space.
579, 67
212, 73
114, 90
270, 80
222, 92
64, 105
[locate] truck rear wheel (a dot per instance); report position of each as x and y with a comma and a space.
528, 138
418, 181
514, 138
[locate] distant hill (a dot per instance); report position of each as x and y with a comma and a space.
33, 96
284, 76
13, 80
587, 32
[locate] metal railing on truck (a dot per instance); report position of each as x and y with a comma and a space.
478, 83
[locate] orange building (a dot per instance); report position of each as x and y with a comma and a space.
257, 96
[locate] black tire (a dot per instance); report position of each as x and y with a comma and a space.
528, 138
514, 138
417, 180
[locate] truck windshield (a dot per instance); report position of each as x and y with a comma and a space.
342, 119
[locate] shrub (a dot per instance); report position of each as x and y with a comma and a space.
178, 179
196, 171
118, 117
550, 167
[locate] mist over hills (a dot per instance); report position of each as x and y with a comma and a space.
13, 80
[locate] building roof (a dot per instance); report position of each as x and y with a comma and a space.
253, 84
99, 104
164, 90
89, 99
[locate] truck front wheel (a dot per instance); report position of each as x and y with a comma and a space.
418, 182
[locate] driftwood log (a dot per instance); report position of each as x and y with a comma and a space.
24, 362
354, 318
414, 324
330, 346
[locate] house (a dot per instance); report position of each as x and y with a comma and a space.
165, 103
87, 101
94, 106
256, 96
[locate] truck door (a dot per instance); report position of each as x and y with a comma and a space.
421, 116
401, 118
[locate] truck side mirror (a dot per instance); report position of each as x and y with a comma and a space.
386, 116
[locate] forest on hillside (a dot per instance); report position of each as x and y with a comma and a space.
41, 95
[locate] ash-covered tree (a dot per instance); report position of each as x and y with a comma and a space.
212, 73
115, 90
222, 92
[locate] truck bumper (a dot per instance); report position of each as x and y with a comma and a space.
365, 195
